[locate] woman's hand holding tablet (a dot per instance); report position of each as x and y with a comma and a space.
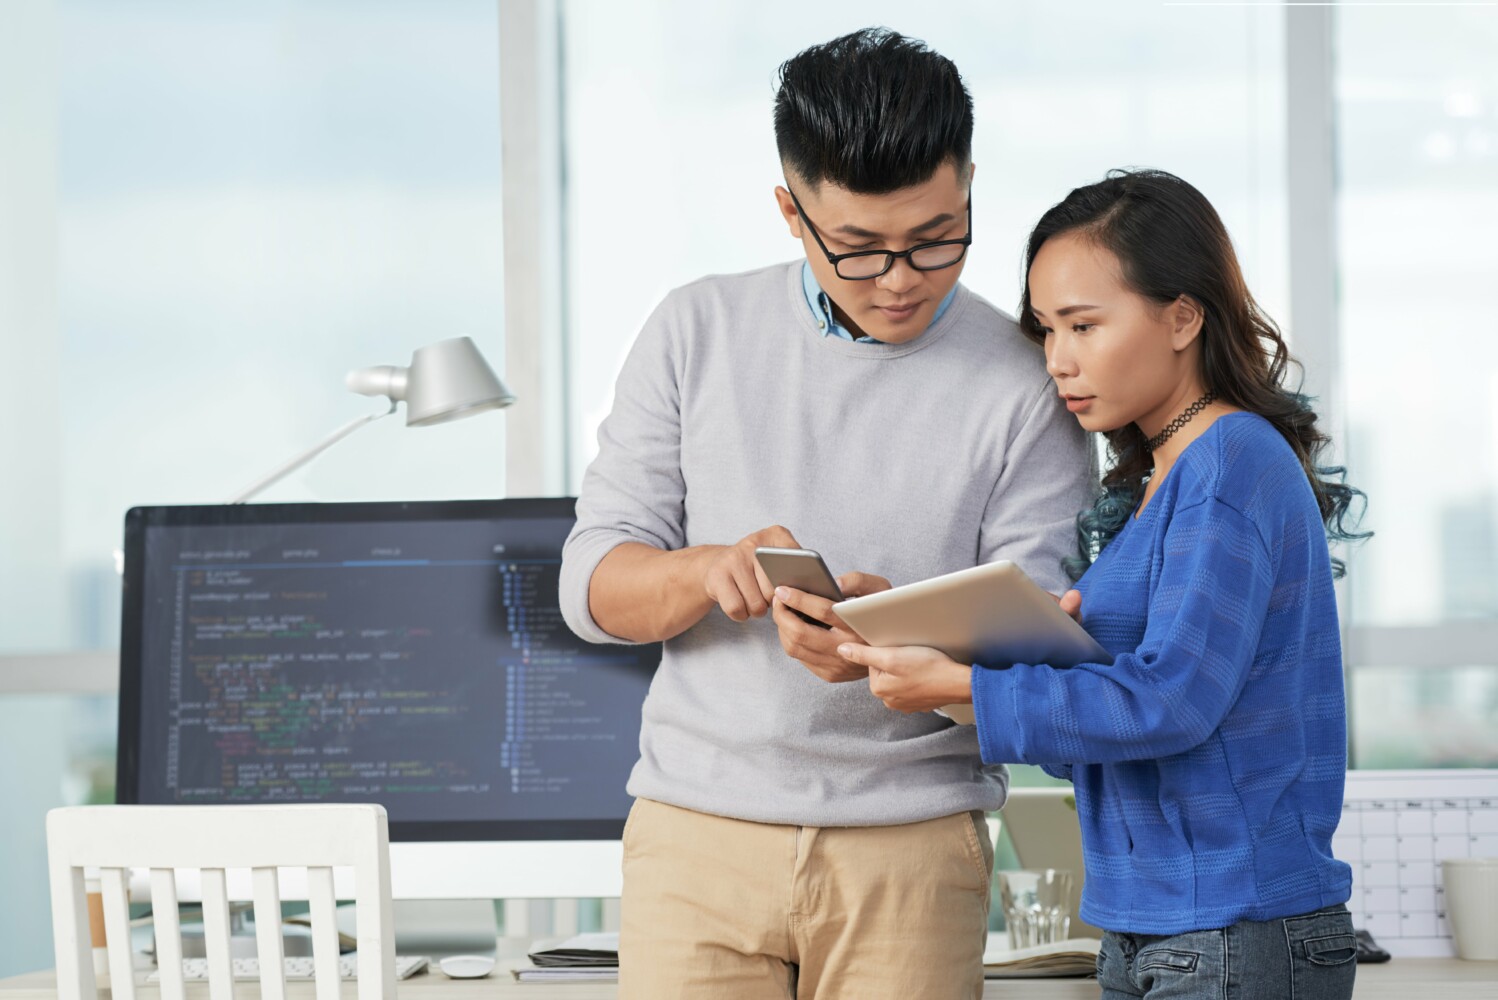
995, 611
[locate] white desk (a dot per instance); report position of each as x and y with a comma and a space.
1401, 979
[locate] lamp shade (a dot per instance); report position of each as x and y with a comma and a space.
446, 380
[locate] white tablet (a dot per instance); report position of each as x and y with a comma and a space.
995, 611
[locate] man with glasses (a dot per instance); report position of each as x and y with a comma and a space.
790, 835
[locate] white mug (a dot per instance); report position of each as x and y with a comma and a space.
1472, 905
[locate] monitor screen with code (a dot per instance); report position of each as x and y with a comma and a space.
410, 654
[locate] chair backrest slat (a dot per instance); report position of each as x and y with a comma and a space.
115, 885
375, 917
268, 944
70, 930
168, 923
324, 933
216, 943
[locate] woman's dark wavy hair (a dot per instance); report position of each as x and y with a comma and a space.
1170, 242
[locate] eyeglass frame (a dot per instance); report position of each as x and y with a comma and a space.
891, 255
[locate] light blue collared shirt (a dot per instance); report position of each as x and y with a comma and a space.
821, 309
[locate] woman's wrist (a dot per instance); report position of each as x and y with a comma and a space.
962, 684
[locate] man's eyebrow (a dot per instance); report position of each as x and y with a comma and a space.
1062, 313
941, 219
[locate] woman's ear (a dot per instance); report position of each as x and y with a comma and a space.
1186, 318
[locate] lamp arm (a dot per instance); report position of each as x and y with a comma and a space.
286, 468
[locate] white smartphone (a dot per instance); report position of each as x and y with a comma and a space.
801, 569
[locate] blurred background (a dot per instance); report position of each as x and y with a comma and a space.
210, 212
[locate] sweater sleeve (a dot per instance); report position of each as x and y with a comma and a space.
1205, 615
1031, 517
633, 490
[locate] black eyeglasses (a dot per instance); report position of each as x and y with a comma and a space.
861, 265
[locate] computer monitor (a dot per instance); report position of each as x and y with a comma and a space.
410, 654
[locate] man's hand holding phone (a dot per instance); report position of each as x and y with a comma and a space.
815, 643
809, 626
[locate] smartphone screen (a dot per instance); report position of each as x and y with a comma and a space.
801, 569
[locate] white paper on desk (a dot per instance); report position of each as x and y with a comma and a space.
596, 950
595, 941
1073, 957
598, 961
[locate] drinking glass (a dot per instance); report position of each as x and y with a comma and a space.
1037, 906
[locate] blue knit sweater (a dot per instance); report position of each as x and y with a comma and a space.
1209, 757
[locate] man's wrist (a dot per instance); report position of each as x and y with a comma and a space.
700, 559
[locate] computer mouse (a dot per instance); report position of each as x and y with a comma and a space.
467, 966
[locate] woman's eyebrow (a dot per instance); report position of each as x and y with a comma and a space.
1064, 312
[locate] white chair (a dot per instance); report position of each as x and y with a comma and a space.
115, 839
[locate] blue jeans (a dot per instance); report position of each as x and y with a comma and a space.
1309, 957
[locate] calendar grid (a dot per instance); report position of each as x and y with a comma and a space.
1396, 828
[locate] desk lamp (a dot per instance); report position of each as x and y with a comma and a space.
445, 381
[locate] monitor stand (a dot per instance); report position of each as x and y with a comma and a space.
296, 940
439, 927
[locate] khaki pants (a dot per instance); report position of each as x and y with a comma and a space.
723, 908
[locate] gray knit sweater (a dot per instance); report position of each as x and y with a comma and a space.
732, 413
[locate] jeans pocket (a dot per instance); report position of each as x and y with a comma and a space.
1323, 954
1192, 964
1168, 958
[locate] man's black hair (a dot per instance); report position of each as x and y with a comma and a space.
871, 112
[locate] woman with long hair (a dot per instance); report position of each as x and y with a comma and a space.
1208, 758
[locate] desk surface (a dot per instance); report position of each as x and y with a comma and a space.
1401, 979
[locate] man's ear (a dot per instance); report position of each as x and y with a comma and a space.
788, 211
1186, 318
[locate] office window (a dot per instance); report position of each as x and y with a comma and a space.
248, 198
252, 199
671, 150
1423, 717
1418, 162
59, 751
1418, 203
